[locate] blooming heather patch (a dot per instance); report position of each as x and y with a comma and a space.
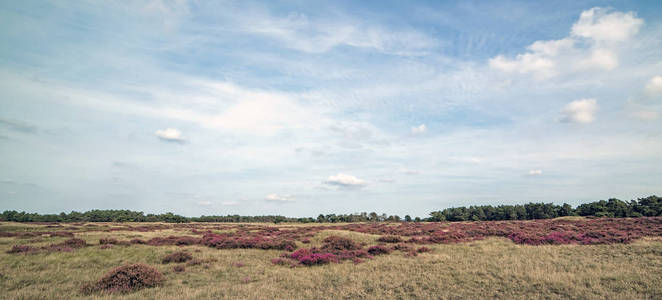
317, 256
318, 259
221, 241
126, 279
336, 243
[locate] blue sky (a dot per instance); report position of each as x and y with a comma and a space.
302, 107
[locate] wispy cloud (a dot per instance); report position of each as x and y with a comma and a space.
279, 198
298, 32
18, 126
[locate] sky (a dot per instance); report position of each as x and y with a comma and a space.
299, 108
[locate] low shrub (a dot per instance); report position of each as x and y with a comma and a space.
61, 234
389, 239
58, 248
318, 259
177, 257
22, 249
334, 243
401, 247
126, 279
378, 250
179, 269
423, 250
74, 243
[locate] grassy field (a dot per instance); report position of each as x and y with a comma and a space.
489, 268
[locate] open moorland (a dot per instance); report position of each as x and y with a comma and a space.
568, 257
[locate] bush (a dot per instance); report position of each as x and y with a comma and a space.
378, 249
61, 234
335, 243
318, 259
389, 239
179, 269
127, 278
177, 257
74, 243
22, 249
401, 247
112, 241
423, 250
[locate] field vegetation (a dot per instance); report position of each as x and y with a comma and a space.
555, 258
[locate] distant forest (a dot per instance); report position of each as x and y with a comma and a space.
613, 208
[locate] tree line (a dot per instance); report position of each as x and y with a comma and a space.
614, 208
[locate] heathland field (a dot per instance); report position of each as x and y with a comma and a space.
559, 258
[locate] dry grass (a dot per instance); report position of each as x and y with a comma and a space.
484, 269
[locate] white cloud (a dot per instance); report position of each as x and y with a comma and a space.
260, 112
170, 135
204, 203
645, 106
279, 198
597, 31
654, 86
535, 172
580, 111
600, 24
541, 66
418, 129
600, 58
345, 181
551, 47
230, 203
